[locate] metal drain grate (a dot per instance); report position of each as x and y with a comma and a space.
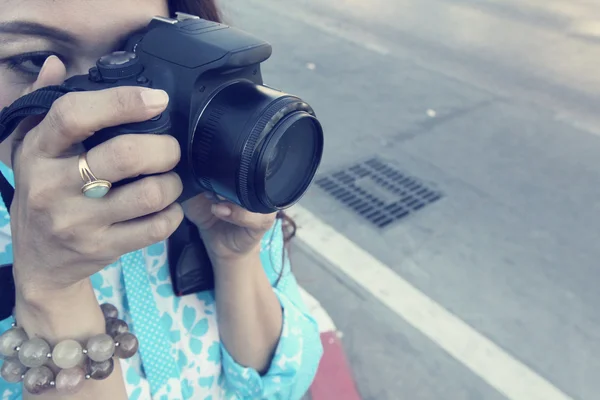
378, 191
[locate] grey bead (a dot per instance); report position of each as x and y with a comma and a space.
70, 381
99, 370
100, 347
12, 371
115, 326
38, 380
11, 339
128, 345
34, 352
109, 311
67, 354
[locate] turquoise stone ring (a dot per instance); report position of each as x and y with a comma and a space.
96, 189
93, 188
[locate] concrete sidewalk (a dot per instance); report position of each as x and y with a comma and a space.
334, 379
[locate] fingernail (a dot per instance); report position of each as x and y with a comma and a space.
46, 61
221, 210
155, 98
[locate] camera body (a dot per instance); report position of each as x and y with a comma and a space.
251, 144
236, 134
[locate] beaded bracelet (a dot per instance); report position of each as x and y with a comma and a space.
32, 360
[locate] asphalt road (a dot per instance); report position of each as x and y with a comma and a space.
494, 103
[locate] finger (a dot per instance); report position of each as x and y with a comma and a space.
53, 72
129, 156
197, 209
140, 198
136, 234
215, 198
243, 218
76, 116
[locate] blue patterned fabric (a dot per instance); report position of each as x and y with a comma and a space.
181, 355
154, 347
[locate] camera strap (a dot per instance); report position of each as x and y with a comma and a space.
7, 283
34, 103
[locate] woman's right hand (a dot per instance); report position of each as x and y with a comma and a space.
60, 237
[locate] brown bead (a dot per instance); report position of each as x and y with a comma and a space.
99, 370
115, 326
34, 352
100, 347
11, 339
12, 371
38, 380
128, 345
70, 381
109, 311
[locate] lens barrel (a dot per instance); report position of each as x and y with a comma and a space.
256, 146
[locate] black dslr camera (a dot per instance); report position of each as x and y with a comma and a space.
251, 144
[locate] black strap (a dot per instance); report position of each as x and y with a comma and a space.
7, 192
7, 292
35, 103
7, 284
189, 263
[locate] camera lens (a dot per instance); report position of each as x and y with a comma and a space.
275, 160
256, 146
289, 168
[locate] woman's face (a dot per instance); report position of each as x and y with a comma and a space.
78, 32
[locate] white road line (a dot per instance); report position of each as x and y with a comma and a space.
487, 360
318, 312
587, 28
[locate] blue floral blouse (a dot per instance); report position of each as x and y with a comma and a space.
180, 355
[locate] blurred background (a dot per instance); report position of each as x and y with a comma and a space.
452, 235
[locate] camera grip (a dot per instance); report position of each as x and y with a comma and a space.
190, 266
159, 125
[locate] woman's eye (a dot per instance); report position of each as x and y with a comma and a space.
28, 64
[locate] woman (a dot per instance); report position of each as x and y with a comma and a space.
250, 338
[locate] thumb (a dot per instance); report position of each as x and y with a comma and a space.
198, 211
53, 72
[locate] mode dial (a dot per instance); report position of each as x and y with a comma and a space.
119, 65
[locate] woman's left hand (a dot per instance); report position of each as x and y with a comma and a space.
229, 231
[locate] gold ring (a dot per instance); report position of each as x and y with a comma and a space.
93, 187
